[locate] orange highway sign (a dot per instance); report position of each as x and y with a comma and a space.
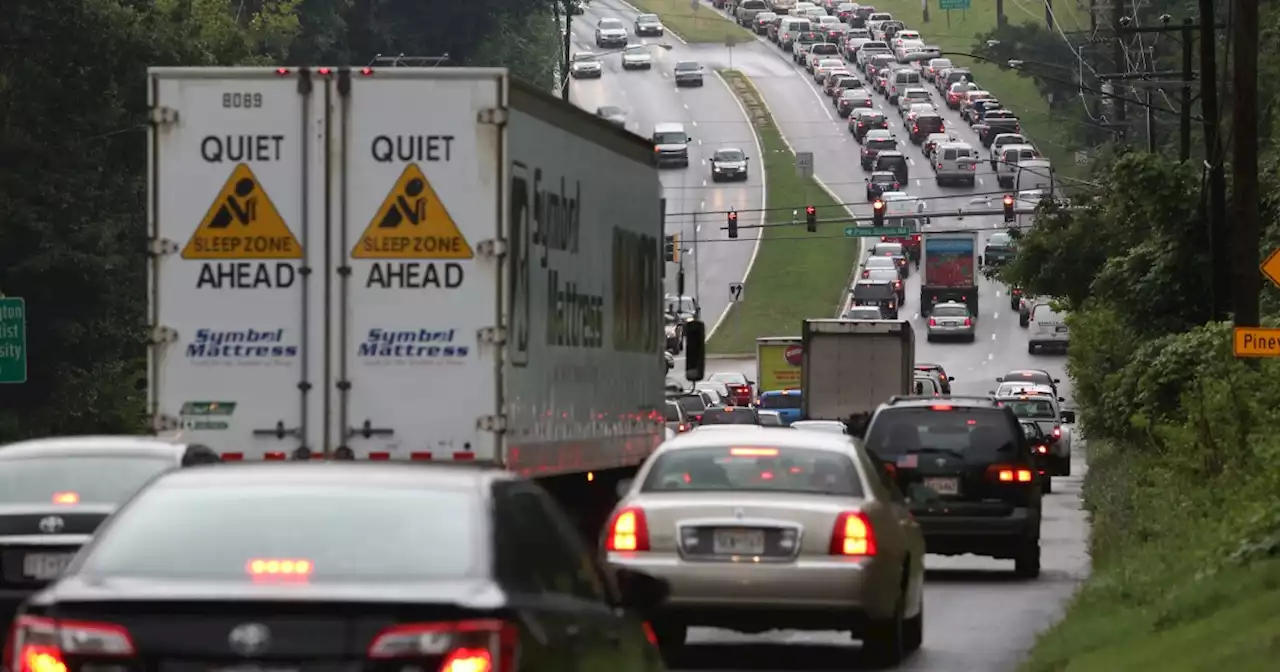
1271, 267
1256, 342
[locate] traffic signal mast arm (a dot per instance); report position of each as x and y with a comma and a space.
932, 215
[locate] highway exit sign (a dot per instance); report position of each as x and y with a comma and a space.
873, 232
13, 341
953, 4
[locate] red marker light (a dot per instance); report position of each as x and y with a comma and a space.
66, 498
941, 407
268, 569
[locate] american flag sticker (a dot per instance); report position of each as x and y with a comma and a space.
909, 461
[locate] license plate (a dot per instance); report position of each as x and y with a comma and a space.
738, 542
943, 486
45, 566
1061, 330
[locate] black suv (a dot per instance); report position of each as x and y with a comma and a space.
968, 473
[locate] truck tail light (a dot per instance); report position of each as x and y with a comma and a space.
1010, 473
473, 646
853, 535
39, 644
628, 531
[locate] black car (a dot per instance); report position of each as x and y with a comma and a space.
968, 472
996, 122
924, 125
942, 374
880, 182
694, 406
998, 250
1031, 377
1040, 450
878, 293
54, 493
891, 276
893, 161
861, 124
730, 415
872, 148
333, 566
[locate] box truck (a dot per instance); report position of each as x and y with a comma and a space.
949, 270
852, 366
403, 264
778, 360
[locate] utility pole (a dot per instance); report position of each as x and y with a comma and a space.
1214, 159
1001, 19
1093, 15
1121, 66
1048, 14
1245, 234
1149, 100
1184, 115
568, 33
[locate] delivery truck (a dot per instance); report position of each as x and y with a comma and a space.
403, 264
852, 366
778, 360
949, 267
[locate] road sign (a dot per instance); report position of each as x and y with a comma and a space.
804, 164
735, 291
13, 340
953, 4
1271, 267
1255, 342
874, 232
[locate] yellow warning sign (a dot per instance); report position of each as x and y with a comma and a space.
242, 223
412, 223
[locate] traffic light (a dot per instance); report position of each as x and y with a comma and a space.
811, 218
733, 224
1008, 207
877, 213
669, 248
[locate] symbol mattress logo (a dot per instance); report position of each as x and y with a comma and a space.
241, 346
413, 346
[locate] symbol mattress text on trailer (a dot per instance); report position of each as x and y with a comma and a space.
242, 223
412, 223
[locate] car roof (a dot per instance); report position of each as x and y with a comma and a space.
455, 475
87, 446
888, 152
778, 437
779, 393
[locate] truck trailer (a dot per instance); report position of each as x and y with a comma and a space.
403, 264
949, 270
852, 366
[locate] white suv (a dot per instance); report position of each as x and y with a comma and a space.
1048, 328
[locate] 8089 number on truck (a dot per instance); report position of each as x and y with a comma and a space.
241, 100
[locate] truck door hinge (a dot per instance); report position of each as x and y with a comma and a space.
492, 248
492, 423
160, 247
496, 116
492, 335
368, 431
160, 115
162, 334
279, 431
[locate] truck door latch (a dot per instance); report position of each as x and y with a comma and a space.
279, 431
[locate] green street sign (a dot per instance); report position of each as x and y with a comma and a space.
13, 340
953, 4
873, 232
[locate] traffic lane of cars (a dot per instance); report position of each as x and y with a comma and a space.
714, 120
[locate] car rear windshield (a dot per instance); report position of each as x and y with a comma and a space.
950, 311
673, 412
873, 291
754, 468
332, 532
728, 378
775, 401
1032, 409
890, 161
692, 404
729, 416
882, 144
89, 479
670, 138
977, 434
930, 124
824, 48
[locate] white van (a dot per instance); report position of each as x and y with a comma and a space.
1035, 175
789, 28
957, 163
903, 79
1048, 328
1007, 163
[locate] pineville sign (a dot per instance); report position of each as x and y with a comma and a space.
1260, 341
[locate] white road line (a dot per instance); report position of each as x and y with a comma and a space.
704, 183
995, 316
703, 204
686, 106
692, 122
704, 162
993, 337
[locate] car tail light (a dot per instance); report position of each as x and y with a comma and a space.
1057, 433
1017, 292
933, 322
968, 322
1009, 473
39, 644
866, 274
682, 428
697, 418
1041, 448
915, 128
939, 166
628, 531
853, 535
897, 285
462, 646
884, 238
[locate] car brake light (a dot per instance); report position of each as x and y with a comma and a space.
463, 646
1006, 473
1042, 449
852, 535
753, 452
968, 322
66, 498
915, 128
629, 531
933, 322
39, 644
682, 428
697, 418
1057, 432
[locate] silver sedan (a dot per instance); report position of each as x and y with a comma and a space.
759, 529
951, 320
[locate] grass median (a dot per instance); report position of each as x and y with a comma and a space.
958, 33
797, 275
695, 26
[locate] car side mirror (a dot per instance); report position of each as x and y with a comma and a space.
695, 347
623, 487
640, 591
1000, 379
1056, 381
951, 379
1069, 417
991, 391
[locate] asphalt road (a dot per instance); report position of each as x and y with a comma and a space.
714, 119
980, 619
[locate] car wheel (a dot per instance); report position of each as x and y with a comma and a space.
1026, 564
913, 631
884, 640
1023, 322
1047, 485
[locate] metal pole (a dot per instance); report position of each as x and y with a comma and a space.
1184, 117
1151, 123
1245, 238
1048, 14
697, 283
568, 20
1117, 55
1217, 202
1001, 19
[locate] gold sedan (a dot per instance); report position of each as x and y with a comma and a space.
759, 529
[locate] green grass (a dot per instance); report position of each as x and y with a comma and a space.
1228, 620
1015, 92
704, 25
797, 275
